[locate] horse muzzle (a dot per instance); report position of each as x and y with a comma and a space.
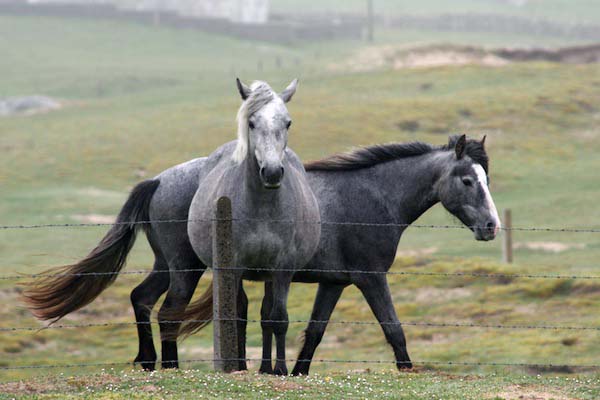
487, 231
271, 176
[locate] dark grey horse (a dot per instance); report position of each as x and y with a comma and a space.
264, 180
393, 183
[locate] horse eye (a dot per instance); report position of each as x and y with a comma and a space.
250, 124
467, 181
289, 123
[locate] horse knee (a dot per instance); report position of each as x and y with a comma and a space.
279, 322
140, 299
395, 335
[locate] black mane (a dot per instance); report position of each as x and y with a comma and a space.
366, 157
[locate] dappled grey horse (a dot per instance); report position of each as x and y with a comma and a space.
388, 186
276, 225
264, 180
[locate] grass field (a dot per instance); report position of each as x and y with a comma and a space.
349, 385
139, 100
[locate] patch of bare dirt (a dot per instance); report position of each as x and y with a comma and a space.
426, 251
517, 392
44, 386
550, 247
431, 295
96, 192
284, 385
401, 57
440, 58
94, 218
252, 352
150, 388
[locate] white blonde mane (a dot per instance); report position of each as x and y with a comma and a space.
260, 95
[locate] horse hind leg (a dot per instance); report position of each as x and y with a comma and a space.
143, 299
181, 289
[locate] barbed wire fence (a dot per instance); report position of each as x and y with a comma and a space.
223, 269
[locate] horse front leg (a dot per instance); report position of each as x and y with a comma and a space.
327, 297
377, 292
242, 311
279, 317
266, 364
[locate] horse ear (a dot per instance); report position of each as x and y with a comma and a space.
483, 141
243, 89
459, 147
289, 91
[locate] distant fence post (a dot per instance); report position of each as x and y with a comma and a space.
156, 16
507, 245
370, 20
224, 290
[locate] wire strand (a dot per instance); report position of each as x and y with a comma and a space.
340, 361
334, 223
544, 326
310, 270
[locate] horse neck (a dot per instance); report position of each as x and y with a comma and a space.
410, 184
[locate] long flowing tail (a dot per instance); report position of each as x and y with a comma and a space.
197, 314
74, 286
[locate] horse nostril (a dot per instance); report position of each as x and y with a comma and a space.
262, 171
282, 171
490, 226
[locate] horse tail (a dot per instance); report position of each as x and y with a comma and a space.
197, 315
72, 287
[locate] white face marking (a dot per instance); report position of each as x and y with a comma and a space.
267, 138
270, 110
482, 179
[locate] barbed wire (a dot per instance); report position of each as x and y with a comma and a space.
545, 326
494, 275
338, 223
338, 361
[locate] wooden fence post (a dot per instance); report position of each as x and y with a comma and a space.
507, 245
224, 290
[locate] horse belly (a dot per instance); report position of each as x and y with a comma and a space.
262, 249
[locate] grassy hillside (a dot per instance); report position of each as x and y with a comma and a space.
138, 100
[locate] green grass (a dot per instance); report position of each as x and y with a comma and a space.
139, 100
375, 385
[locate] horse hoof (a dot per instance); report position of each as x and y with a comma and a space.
402, 365
280, 370
147, 365
299, 373
301, 368
170, 365
266, 368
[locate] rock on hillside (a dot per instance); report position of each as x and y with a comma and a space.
27, 105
